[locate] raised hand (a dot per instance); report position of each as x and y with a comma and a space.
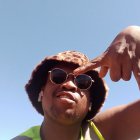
121, 58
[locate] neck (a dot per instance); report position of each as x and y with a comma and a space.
54, 131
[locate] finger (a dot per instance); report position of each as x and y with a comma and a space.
126, 69
115, 71
136, 71
100, 58
96, 62
103, 71
86, 68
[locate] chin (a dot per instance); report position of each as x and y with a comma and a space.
69, 118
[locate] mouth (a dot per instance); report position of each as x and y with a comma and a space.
67, 96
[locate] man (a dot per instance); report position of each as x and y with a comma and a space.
66, 101
69, 101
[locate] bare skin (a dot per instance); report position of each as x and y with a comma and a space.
120, 123
122, 58
63, 114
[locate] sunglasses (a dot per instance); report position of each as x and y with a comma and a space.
59, 76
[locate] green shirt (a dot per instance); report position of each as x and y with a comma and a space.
88, 133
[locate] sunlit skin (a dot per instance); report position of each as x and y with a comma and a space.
121, 59
65, 106
62, 114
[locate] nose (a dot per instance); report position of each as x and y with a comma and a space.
69, 85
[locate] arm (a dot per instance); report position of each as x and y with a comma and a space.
122, 57
120, 123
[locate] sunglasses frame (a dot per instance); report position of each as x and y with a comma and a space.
67, 75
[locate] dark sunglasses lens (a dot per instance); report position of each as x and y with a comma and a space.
83, 81
58, 76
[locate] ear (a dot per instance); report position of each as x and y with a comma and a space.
40, 96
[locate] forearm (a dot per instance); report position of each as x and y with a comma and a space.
131, 118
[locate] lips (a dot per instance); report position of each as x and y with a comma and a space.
67, 95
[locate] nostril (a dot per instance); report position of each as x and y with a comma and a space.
69, 89
69, 85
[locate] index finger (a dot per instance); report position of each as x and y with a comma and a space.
87, 67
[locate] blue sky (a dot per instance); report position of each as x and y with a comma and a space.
31, 30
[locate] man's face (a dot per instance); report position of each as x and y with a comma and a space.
64, 103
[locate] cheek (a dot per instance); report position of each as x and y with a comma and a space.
49, 90
85, 102
86, 98
83, 105
46, 100
47, 96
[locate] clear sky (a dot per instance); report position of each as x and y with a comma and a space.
33, 29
